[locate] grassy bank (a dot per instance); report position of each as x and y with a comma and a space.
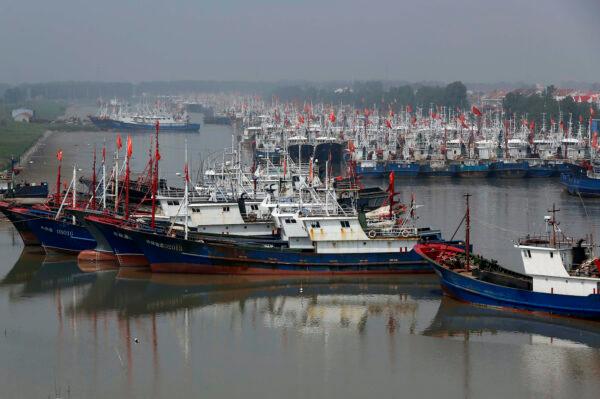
16, 138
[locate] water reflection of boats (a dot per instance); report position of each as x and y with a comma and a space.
456, 318
25, 268
56, 272
138, 293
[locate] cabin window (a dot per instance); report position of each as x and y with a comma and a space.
551, 254
288, 221
254, 207
345, 223
315, 225
225, 209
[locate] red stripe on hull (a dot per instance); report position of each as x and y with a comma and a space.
133, 260
244, 270
96, 256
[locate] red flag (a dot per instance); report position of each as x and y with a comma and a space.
388, 123
592, 112
433, 115
391, 113
532, 125
186, 172
351, 146
461, 118
413, 120
580, 118
332, 117
552, 121
595, 140
119, 142
562, 125
409, 109
392, 182
59, 155
475, 110
300, 119
129, 147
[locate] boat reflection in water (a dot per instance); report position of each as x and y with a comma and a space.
149, 331
460, 320
306, 304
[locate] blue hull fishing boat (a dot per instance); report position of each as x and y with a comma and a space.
401, 168
371, 168
540, 169
177, 255
509, 169
127, 251
471, 168
59, 235
583, 182
543, 283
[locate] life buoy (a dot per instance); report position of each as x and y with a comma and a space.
252, 217
405, 232
371, 233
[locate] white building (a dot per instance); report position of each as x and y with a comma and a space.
22, 115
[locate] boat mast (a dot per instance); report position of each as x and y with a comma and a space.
59, 156
553, 223
186, 198
467, 233
94, 180
155, 178
127, 172
104, 176
119, 144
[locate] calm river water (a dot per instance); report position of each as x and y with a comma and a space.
70, 331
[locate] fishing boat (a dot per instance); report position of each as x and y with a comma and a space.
403, 168
558, 274
540, 168
317, 236
471, 168
508, 168
19, 216
436, 168
584, 182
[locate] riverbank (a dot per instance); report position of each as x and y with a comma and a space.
17, 138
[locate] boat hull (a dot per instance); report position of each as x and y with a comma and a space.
123, 246
403, 169
106, 124
170, 254
509, 170
19, 221
468, 289
60, 236
580, 184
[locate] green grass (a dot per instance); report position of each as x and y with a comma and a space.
16, 138
46, 110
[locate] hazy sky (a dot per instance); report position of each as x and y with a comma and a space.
471, 40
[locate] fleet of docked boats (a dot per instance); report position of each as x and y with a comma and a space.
301, 207
117, 115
